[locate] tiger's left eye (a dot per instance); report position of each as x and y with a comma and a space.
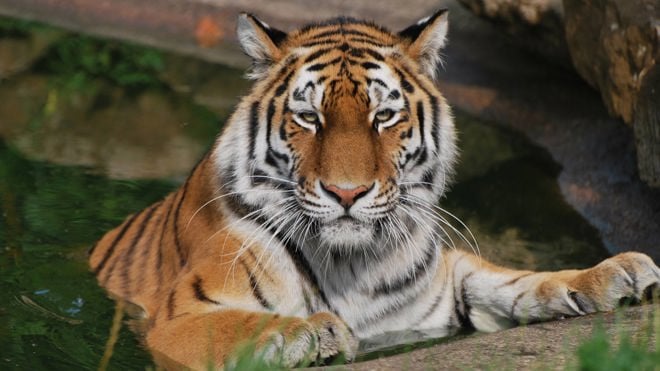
309, 117
384, 115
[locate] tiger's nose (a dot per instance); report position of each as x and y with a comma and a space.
345, 196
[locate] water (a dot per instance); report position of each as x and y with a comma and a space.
77, 157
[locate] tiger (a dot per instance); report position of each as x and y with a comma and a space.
312, 222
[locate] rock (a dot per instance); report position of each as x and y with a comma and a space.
89, 128
214, 86
550, 345
615, 46
494, 80
18, 53
537, 25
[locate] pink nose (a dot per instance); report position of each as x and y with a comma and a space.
345, 197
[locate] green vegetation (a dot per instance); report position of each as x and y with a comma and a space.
11, 27
633, 352
53, 315
77, 60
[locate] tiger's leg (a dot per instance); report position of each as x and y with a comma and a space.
493, 297
197, 331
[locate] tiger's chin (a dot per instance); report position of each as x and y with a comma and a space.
346, 234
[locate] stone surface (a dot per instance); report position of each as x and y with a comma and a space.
88, 128
18, 53
615, 46
492, 79
214, 86
550, 345
538, 25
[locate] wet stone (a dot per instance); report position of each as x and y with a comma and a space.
17, 54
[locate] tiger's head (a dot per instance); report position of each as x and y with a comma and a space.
345, 138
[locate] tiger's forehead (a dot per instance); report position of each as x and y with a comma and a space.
343, 56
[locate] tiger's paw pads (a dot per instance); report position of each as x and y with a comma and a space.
625, 278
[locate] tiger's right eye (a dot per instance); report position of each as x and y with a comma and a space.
309, 117
384, 115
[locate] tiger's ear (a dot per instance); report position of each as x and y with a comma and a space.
425, 39
260, 42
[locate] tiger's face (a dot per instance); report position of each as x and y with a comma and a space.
351, 129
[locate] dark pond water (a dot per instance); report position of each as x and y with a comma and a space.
77, 157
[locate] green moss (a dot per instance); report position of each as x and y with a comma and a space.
11, 27
77, 60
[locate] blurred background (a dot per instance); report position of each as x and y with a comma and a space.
105, 106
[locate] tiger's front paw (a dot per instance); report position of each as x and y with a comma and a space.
318, 339
626, 277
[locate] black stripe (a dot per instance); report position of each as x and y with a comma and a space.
91, 249
514, 304
356, 52
281, 72
431, 309
405, 84
341, 31
147, 249
463, 308
435, 124
256, 290
284, 85
170, 305
404, 135
428, 178
259, 266
420, 117
317, 54
177, 242
259, 177
254, 127
128, 254
374, 54
514, 280
411, 276
303, 267
236, 204
394, 308
159, 257
200, 294
270, 159
370, 42
320, 66
270, 152
282, 131
327, 41
113, 245
380, 82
